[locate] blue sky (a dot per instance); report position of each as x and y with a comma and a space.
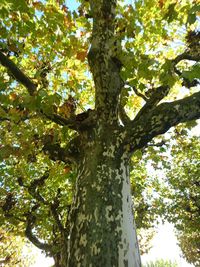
72, 4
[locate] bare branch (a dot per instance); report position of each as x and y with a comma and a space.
18, 74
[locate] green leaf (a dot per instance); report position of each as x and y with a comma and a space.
193, 73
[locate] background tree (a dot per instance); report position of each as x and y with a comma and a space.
81, 91
161, 263
180, 194
11, 250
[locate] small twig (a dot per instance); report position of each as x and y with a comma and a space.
157, 144
137, 92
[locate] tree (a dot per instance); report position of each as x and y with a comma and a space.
83, 91
189, 244
181, 195
160, 263
11, 250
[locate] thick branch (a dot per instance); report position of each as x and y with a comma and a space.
26, 81
61, 120
33, 187
79, 122
186, 82
6, 260
156, 96
56, 152
29, 234
161, 119
4, 119
55, 214
186, 56
17, 73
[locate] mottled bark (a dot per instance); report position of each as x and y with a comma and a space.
102, 226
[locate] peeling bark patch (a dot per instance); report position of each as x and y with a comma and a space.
128, 251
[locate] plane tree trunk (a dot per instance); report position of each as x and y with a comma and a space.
102, 225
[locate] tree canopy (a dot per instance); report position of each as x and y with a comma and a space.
50, 92
12, 248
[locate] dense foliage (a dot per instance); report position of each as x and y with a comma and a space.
12, 248
182, 195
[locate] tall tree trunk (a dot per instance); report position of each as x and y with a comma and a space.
102, 226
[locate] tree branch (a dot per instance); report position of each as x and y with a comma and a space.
137, 92
4, 119
79, 122
55, 214
160, 119
157, 95
61, 120
186, 56
18, 74
157, 144
33, 187
31, 219
186, 82
56, 152
26, 81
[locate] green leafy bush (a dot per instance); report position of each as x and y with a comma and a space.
161, 263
